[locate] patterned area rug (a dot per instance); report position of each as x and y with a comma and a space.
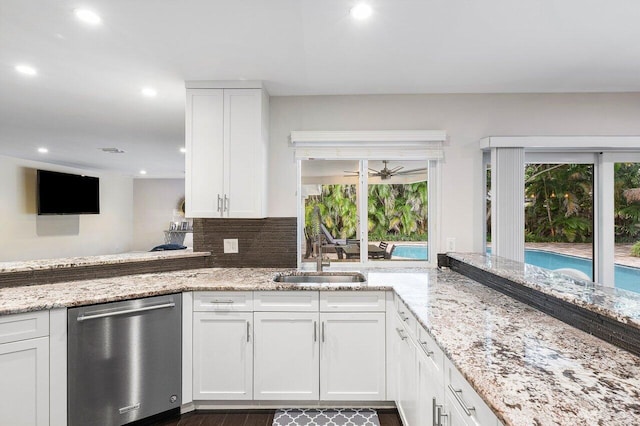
326, 417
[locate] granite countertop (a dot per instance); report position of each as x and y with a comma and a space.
617, 304
78, 293
108, 259
530, 368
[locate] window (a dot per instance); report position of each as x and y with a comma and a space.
364, 210
582, 204
365, 194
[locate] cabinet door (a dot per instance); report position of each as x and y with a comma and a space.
406, 382
245, 154
24, 368
430, 390
222, 355
352, 356
286, 357
430, 377
204, 156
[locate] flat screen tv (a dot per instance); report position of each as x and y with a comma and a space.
64, 193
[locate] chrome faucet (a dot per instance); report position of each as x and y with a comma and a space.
317, 220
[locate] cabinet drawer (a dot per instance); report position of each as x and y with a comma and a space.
428, 349
286, 301
407, 317
352, 301
24, 326
223, 301
465, 400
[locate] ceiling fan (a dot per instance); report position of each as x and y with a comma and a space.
386, 172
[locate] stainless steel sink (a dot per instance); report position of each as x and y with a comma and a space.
321, 278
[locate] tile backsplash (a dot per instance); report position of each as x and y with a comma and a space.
262, 243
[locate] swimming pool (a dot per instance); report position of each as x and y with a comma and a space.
410, 251
626, 277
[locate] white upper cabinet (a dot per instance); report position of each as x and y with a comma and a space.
226, 159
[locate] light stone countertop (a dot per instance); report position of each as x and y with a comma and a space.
107, 259
617, 304
530, 368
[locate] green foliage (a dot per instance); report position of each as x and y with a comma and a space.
559, 202
396, 212
635, 249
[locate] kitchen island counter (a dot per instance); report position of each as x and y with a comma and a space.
530, 368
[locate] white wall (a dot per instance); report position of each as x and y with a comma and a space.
25, 235
466, 118
154, 206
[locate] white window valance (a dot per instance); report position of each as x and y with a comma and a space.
370, 145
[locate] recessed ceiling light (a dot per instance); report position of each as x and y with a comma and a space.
88, 16
149, 92
143, 172
183, 149
361, 11
113, 150
26, 69
43, 150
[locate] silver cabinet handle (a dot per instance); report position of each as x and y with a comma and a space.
457, 393
402, 316
315, 331
126, 311
248, 330
425, 348
222, 301
225, 207
438, 414
219, 203
402, 336
322, 331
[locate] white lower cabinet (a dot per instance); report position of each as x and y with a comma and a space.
430, 376
223, 355
286, 356
24, 371
352, 356
405, 373
429, 390
463, 405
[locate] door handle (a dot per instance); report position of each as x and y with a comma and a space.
225, 207
219, 203
425, 348
457, 393
126, 311
248, 332
437, 413
315, 331
402, 336
322, 331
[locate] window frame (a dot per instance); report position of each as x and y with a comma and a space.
601, 151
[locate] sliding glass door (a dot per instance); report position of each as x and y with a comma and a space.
559, 214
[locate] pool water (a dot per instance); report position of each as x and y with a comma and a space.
411, 251
626, 277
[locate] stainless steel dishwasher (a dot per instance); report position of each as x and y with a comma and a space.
124, 360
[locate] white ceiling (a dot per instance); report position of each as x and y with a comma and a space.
87, 93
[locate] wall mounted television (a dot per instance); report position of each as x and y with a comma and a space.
64, 193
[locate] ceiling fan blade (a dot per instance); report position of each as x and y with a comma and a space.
412, 171
395, 169
352, 171
373, 170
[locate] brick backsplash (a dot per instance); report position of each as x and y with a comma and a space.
262, 243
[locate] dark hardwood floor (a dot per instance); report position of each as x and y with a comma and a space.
252, 418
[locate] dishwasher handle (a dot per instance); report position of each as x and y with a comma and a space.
126, 311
